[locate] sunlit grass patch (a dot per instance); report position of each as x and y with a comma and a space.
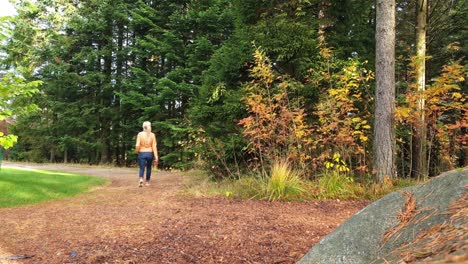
335, 185
328, 186
21, 187
283, 183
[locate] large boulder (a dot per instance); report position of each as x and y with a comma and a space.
423, 223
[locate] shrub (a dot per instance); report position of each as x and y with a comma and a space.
335, 185
283, 183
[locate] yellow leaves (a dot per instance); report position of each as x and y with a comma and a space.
342, 168
262, 69
455, 46
362, 137
338, 164
456, 95
360, 127
369, 77
333, 92
329, 165
336, 157
219, 91
341, 113
402, 113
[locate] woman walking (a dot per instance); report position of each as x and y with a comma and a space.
146, 147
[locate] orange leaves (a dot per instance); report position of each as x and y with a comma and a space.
326, 53
445, 87
275, 127
444, 110
440, 97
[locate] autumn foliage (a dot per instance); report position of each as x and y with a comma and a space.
339, 125
446, 116
343, 112
278, 127
275, 126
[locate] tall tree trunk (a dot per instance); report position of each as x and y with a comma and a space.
52, 155
384, 131
107, 94
420, 132
65, 156
119, 146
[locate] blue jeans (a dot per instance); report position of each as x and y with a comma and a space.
145, 159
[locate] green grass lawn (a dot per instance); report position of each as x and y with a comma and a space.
21, 187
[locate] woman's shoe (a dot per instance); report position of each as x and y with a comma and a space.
141, 183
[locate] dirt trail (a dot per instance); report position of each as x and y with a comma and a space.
121, 223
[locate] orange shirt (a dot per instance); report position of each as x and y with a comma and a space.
146, 142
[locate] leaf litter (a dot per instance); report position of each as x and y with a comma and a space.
122, 223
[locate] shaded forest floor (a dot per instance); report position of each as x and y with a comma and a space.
121, 223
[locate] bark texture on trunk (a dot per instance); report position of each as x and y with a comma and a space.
384, 128
420, 169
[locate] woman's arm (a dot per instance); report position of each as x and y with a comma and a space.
155, 148
137, 145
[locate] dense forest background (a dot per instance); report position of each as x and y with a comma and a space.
233, 85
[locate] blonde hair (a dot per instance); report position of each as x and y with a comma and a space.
146, 125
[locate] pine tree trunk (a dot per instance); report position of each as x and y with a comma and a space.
119, 146
420, 145
106, 94
52, 155
384, 131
